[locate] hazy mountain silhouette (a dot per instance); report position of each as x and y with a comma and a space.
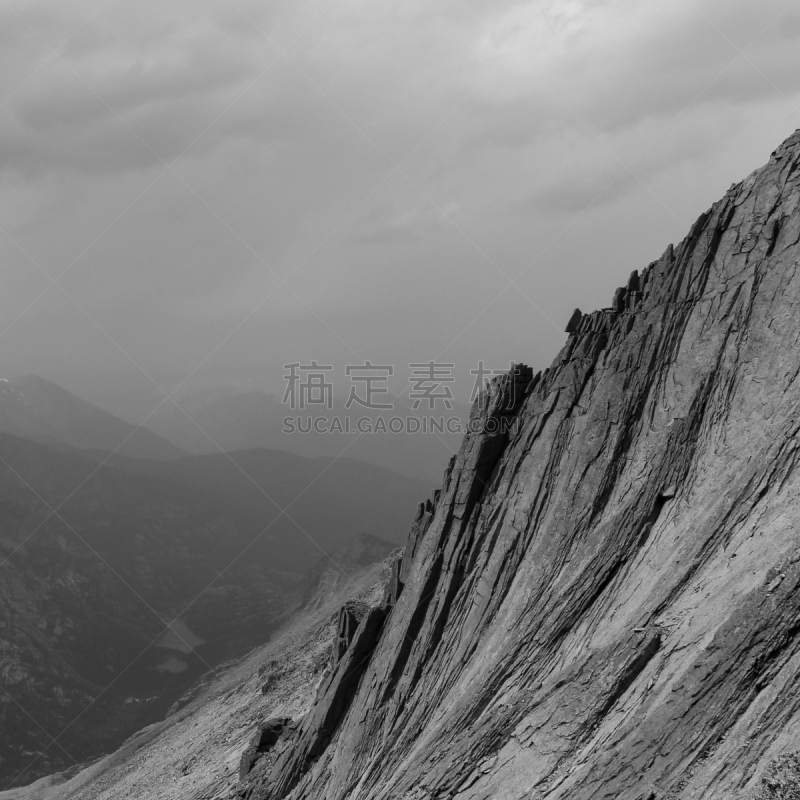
235, 420
37, 409
326, 500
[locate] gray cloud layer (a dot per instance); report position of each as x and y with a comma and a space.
510, 165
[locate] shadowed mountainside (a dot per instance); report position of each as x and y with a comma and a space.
327, 500
146, 576
195, 752
92, 595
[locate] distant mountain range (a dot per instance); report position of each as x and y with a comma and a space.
221, 421
326, 500
152, 569
217, 420
37, 409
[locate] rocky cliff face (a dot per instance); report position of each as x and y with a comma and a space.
604, 598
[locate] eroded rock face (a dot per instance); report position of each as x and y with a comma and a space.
350, 615
604, 600
263, 741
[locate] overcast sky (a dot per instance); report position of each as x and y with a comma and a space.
220, 187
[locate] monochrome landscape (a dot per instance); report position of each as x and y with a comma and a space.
399, 401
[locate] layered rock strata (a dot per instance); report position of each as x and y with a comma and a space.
603, 601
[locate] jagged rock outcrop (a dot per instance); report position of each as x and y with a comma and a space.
332, 570
604, 599
264, 740
350, 616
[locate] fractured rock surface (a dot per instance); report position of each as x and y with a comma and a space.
604, 600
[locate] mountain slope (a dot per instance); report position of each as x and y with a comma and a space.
195, 752
331, 572
603, 602
149, 574
95, 636
34, 408
327, 500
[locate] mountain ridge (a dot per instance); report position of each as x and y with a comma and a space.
604, 602
258, 482
37, 409
235, 421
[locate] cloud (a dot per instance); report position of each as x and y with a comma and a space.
313, 162
606, 67
393, 71
387, 222
604, 171
158, 74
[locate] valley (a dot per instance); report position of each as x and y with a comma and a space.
124, 580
